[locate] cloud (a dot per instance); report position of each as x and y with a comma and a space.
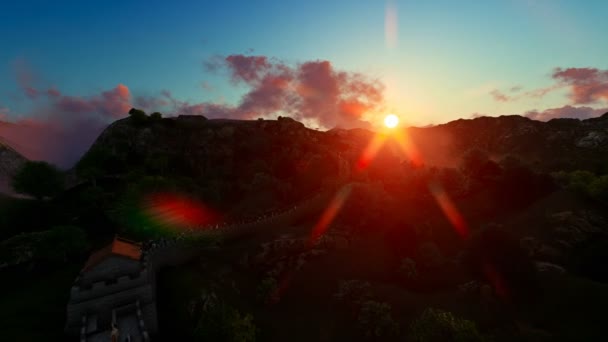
515, 89
500, 97
60, 128
59, 142
587, 85
565, 112
26, 78
114, 103
311, 91
248, 69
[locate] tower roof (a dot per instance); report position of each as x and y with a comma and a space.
118, 247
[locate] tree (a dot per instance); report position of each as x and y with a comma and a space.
38, 179
138, 116
496, 256
376, 320
156, 116
438, 325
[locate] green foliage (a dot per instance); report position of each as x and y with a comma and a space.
584, 182
156, 116
54, 245
436, 325
242, 327
267, 289
376, 321
138, 116
38, 179
352, 293
218, 321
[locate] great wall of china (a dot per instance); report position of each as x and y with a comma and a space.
102, 299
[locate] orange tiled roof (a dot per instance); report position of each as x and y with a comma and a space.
119, 246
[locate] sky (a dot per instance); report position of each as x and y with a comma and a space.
68, 68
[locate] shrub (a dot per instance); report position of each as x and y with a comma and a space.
584, 182
497, 257
138, 116
267, 289
156, 116
54, 245
438, 325
376, 321
218, 321
38, 179
353, 291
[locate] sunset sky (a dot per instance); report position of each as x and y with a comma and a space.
75, 64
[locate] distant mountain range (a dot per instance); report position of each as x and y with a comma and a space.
232, 149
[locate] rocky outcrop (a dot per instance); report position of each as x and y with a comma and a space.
10, 162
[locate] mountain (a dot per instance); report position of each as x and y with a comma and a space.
10, 162
230, 149
554, 145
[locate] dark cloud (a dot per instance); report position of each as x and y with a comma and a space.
587, 85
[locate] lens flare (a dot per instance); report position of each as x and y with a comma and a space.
176, 211
449, 210
391, 26
370, 152
330, 213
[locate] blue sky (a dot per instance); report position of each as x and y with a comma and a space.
451, 59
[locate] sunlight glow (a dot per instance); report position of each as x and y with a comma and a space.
391, 121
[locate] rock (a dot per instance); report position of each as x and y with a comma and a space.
547, 267
592, 139
573, 228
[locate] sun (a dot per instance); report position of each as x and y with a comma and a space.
391, 121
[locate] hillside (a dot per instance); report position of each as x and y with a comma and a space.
554, 145
10, 162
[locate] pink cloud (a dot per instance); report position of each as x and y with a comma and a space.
26, 78
247, 68
566, 112
587, 85
50, 139
312, 91
114, 103
500, 97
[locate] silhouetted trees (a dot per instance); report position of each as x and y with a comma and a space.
138, 116
436, 325
38, 179
496, 256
